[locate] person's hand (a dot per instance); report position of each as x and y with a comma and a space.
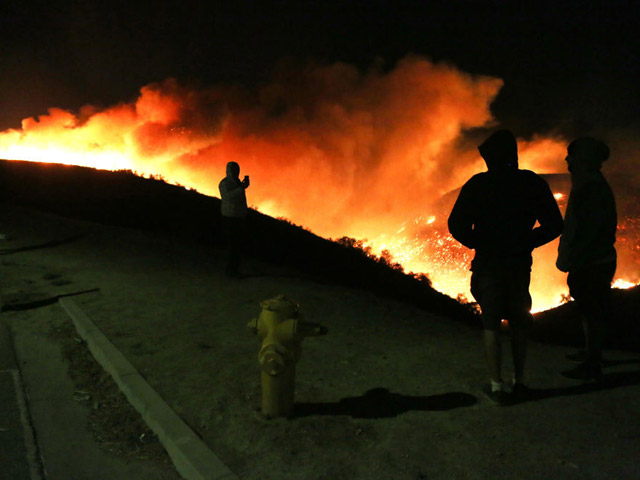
245, 181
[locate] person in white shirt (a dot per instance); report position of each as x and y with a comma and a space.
233, 207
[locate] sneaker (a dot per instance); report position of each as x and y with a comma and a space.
584, 371
499, 397
578, 357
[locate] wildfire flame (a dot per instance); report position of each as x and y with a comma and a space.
342, 152
622, 284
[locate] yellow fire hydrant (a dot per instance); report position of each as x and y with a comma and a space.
281, 329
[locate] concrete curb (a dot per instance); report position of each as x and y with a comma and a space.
191, 457
7, 354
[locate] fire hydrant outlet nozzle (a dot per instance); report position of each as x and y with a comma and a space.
281, 329
273, 359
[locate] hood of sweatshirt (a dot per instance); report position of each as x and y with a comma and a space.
233, 170
500, 151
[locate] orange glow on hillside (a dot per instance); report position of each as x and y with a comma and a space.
341, 152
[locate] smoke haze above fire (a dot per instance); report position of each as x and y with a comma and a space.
569, 65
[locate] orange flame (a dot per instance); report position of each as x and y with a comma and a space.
342, 152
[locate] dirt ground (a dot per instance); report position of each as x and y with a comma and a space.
392, 392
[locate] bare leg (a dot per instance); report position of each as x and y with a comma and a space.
519, 351
493, 352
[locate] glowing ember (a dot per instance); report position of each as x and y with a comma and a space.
340, 152
558, 196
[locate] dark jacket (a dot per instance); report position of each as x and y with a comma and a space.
590, 224
496, 211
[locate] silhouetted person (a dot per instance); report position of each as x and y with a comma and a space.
587, 249
495, 214
233, 207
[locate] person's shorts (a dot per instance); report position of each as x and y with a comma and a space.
503, 295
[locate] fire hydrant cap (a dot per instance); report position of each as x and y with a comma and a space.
281, 304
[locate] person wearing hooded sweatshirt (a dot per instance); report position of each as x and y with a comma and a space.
586, 250
233, 207
495, 214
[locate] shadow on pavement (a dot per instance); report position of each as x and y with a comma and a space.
15, 307
49, 244
381, 403
608, 382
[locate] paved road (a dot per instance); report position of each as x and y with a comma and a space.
17, 452
66, 449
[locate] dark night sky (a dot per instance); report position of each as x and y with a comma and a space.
571, 64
